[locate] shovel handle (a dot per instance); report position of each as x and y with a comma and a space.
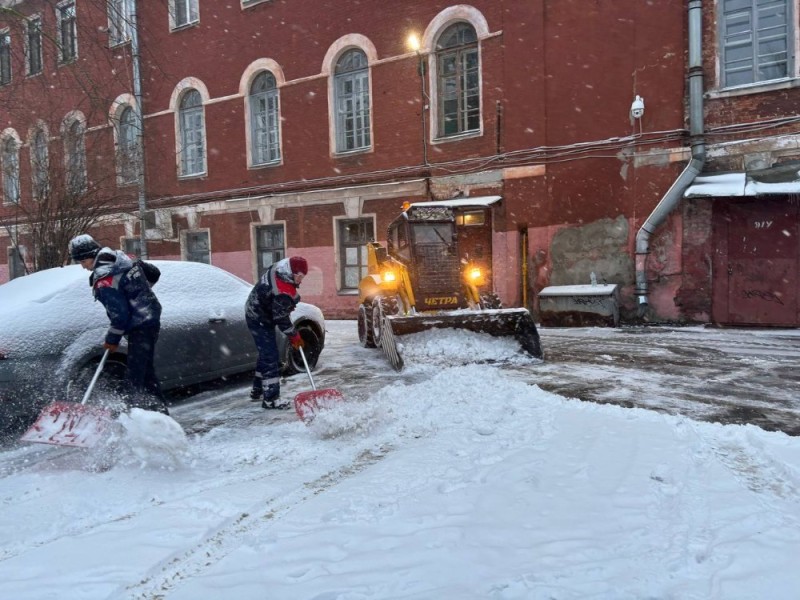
308, 371
96, 376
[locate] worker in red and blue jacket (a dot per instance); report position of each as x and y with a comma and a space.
268, 306
124, 287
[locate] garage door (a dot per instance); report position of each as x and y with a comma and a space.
762, 265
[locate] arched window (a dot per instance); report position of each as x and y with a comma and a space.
351, 93
192, 134
75, 147
126, 146
10, 164
458, 82
39, 165
264, 119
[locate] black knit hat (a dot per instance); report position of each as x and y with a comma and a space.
83, 247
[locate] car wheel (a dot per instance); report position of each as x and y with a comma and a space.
108, 389
312, 349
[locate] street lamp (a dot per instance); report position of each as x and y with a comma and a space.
139, 116
414, 44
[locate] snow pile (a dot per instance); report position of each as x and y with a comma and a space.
458, 346
152, 440
346, 417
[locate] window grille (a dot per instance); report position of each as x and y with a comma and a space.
756, 38
353, 237
351, 86
270, 246
197, 247
192, 134
458, 87
67, 28
264, 119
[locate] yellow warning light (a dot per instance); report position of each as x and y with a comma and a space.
406, 205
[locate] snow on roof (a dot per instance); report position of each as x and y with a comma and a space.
461, 202
738, 185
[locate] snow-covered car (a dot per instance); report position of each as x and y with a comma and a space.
52, 330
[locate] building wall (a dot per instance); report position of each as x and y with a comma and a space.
577, 175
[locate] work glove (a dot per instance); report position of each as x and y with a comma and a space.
296, 341
110, 347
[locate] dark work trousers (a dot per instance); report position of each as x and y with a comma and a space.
268, 363
144, 387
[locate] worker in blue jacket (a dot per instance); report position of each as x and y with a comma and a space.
124, 287
268, 306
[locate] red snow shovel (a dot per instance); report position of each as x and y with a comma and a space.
70, 423
308, 404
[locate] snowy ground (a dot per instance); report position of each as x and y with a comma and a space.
451, 480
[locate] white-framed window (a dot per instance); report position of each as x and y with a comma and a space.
5, 57
353, 237
75, 157
264, 119
352, 102
127, 139
9, 157
40, 163
756, 41
270, 246
197, 246
458, 81
33, 45
183, 13
191, 122
66, 18
119, 21
132, 246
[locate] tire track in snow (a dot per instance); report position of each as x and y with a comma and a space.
230, 535
762, 474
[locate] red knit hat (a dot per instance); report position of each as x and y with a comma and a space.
298, 265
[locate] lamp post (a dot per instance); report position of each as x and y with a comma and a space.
139, 116
414, 44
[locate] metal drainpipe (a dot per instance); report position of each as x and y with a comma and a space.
674, 194
139, 119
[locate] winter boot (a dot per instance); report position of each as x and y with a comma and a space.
271, 395
257, 392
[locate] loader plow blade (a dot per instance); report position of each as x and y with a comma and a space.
508, 322
70, 424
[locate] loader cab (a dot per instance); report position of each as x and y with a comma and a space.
424, 239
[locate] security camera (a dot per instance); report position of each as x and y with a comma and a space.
637, 108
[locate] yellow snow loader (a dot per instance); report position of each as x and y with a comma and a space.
425, 277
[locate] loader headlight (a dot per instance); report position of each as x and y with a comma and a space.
389, 276
474, 273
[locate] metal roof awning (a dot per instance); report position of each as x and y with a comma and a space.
776, 180
461, 202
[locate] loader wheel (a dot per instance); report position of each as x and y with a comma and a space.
365, 336
377, 321
381, 306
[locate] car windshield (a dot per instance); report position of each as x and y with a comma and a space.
433, 233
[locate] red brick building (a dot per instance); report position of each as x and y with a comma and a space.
277, 127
